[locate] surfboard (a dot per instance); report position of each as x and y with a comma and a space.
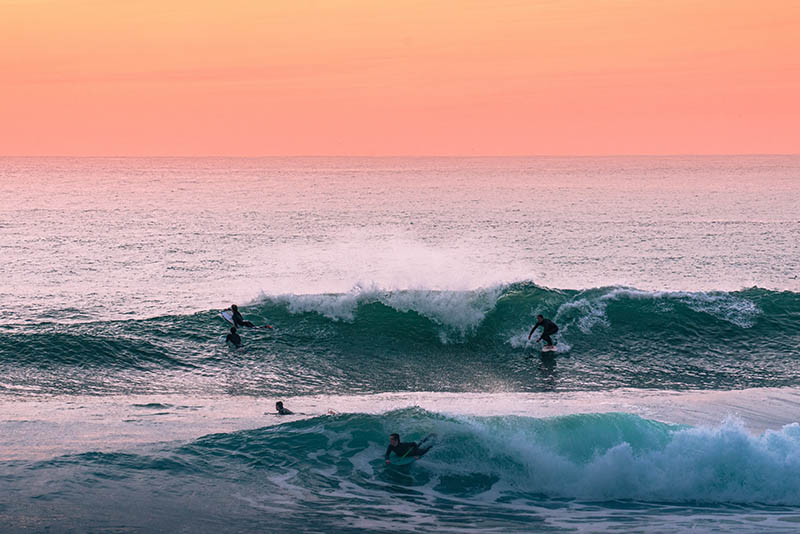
227, 315
402, 461
549, 348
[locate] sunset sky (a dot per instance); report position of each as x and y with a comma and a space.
401, 77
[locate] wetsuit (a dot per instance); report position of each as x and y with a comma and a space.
548, 329
284, 411
238, 320
234, 338
406, 449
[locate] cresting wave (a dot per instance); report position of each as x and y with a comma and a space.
445, 341
506, 312
597, 457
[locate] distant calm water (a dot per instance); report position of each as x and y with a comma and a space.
402, 292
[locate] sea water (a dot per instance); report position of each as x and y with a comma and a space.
401, 292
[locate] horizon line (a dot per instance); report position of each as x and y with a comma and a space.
404, 156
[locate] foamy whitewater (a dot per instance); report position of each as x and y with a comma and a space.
401, 292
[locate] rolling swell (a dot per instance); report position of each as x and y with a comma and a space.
586, 456
326, 465
374, 340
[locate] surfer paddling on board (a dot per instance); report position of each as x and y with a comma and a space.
405, 449
238, 320
234, 338
281, 410
548, 329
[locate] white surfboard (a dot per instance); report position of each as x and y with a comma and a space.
549, 348
228, 316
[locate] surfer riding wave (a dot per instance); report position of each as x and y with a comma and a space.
403, 450
548, 329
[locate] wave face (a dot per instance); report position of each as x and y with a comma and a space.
369, 340
327, 473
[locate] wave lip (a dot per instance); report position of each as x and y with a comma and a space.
592, 305
459, 310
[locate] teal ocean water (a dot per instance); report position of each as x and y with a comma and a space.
401, 292
375, 341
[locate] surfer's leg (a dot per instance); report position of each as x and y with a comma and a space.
420, 452
248, 324
426, 438
547, 339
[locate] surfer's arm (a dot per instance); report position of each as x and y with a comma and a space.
532, 330
388, 452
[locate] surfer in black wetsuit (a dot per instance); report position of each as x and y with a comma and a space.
238, 320
234, 338
405, 449
281, 410
548, 329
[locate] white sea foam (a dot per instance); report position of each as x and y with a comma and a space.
591, 309
461, 311
713, 464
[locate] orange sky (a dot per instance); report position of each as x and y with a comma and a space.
399, 77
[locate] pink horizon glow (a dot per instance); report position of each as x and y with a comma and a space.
354, 77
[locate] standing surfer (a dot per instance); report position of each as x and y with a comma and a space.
548, 329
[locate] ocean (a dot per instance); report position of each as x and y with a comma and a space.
401, 292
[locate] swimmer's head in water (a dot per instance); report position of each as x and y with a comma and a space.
233, 330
